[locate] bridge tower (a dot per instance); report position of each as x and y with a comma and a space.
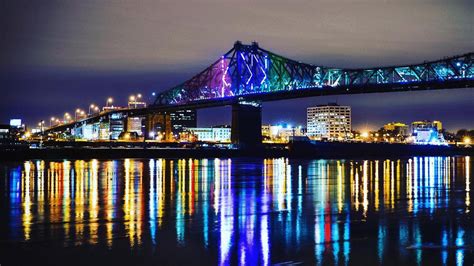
246, 129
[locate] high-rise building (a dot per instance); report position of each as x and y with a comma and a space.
183, 119
330, 121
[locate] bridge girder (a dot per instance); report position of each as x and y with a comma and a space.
248, 70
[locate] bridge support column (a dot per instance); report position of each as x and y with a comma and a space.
247, 124
159, 123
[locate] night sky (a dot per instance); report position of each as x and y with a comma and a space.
56, 56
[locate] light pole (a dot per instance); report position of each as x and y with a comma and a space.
92, 106
109, 100
66, 117
41, 125
132, 100
139, 96
78, 111
51, 121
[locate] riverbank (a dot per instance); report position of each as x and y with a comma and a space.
297, 150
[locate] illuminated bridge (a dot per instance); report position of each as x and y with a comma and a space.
248, 75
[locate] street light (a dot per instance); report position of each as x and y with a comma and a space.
51, 121
109, 100
78, 111
93, 107
41, 125
67, 116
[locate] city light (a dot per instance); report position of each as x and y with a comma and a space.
110, 100
467, 140
51, 120
93, 107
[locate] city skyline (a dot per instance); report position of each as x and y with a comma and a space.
65, 61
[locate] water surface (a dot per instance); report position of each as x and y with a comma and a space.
237, 211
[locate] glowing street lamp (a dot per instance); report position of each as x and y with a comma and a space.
51, 121
109, 100
66, 117
93, 108
78, 112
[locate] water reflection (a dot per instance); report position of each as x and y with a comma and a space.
414, 210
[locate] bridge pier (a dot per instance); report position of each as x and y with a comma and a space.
246, 129
159, 123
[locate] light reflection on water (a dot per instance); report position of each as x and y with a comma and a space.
414, 210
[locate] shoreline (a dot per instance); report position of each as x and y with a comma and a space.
323, 150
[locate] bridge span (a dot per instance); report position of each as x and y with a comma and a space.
248, 75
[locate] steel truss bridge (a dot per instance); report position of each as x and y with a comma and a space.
248, 75
252, 73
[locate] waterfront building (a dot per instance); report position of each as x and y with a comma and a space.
135, 124
211, 134
116, 124
5, 132
183, 119
427, 132
330, 121
281, 132
397, 127
423, 124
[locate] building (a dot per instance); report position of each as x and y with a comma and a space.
211, 134
5, 133
283, 132
116, 125
427, 132
135, 124
426, 124
183, 119
330, 121
397, 128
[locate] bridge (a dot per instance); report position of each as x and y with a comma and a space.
248, 75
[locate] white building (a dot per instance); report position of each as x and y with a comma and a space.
212, 134
134, 124
330, 121
281, 132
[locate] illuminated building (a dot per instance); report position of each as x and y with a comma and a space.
281, 132
330, 121
212, 134
91, 132
116, 125
437, 125
135, 124
183, 119
5, 132
397, 127
427, 132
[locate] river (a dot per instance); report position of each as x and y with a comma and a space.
405, 211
